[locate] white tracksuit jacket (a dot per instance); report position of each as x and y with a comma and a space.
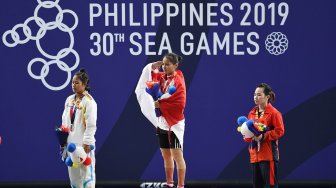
83, 132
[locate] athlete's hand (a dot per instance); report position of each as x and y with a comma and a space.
156, 64
156, 104
258, 138
86, 148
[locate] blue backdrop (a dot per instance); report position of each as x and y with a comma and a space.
288, 44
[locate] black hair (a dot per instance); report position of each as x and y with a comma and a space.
84, 77
268, 91
173, 58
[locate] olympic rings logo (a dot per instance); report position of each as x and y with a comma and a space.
42, 31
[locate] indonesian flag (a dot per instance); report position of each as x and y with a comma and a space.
172, 108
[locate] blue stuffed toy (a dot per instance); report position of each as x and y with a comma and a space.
153, 89
250, 129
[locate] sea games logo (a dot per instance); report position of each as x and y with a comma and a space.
234, 28
11, 38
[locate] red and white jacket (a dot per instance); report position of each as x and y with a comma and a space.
172, 108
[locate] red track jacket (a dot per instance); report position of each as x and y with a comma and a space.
269, 144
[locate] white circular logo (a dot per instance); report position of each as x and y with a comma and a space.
44, 27
276, 43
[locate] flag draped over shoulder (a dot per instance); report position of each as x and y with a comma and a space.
172, 108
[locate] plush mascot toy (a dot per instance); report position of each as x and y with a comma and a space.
250, 129
243, 128
153, 88
77, 156
62, 134
171, 90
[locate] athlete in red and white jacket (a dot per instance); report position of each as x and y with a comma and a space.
171, 124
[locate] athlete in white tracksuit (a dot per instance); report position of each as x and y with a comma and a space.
80, 115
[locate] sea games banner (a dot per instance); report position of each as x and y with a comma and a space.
228, 48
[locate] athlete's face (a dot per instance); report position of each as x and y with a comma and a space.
259, 96
168, 66
77, 85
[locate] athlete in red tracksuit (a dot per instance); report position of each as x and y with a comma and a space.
264, 162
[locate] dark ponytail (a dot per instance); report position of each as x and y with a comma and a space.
84, 77
174, 58
268, 91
